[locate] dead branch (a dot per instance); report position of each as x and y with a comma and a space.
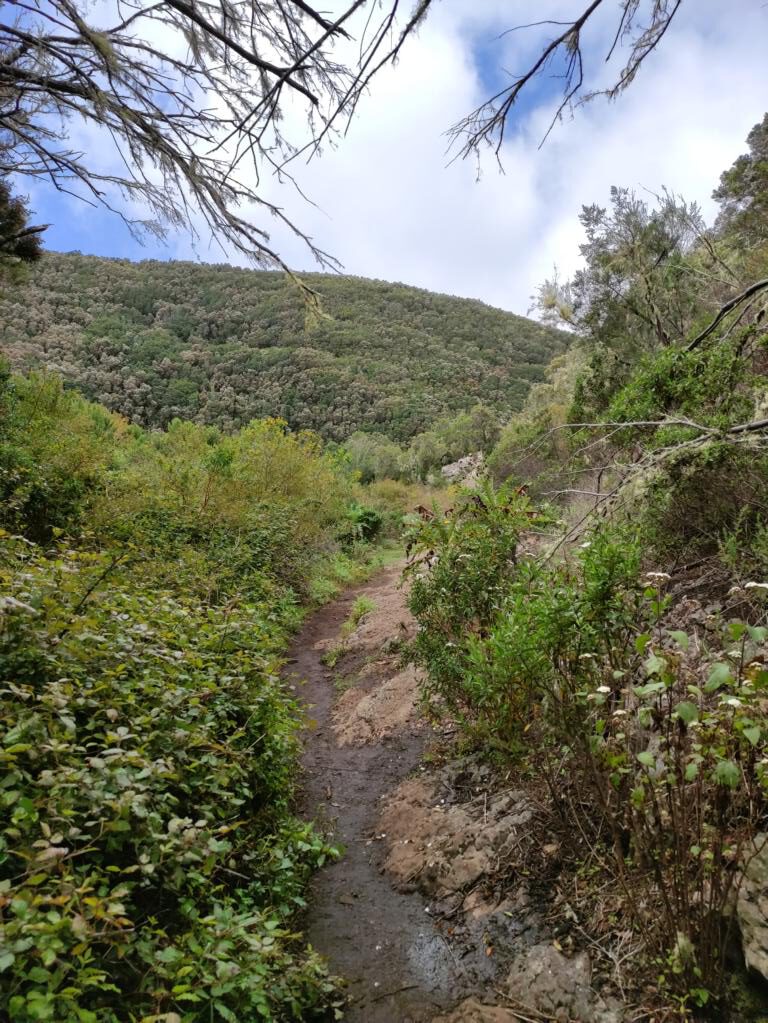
643, 28
753, 289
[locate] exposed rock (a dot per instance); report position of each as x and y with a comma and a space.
752, 908
445, 847
361, 716
467, 470
550, 983
473, 1011
545, 980
547, 983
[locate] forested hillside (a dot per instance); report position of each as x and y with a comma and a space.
220, 345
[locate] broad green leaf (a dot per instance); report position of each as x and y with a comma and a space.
681, 638
719, 675
687, 711
655, 665
650, 688
753, 734
727, 773
647, 759
642, 642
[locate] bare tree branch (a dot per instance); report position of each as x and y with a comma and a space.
194, 126
643, 22
753, 289
197, 126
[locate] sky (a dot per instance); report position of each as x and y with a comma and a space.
389, 202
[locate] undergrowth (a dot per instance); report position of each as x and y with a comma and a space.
650, 737
151, 865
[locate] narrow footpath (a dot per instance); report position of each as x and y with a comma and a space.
431, 915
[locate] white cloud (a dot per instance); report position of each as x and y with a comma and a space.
392, 208
390, 205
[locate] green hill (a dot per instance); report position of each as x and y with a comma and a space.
217, 344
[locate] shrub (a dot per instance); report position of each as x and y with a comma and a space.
462, 564
54, 450
362, 524
651, 739
149, 863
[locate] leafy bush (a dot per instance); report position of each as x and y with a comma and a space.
362, 524
149, 754
150, 863
462, 564
651, 739
495, 629
46, 471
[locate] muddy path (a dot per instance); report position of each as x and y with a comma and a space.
360, 745
438, 910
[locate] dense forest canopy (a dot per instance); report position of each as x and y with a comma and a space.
221, 345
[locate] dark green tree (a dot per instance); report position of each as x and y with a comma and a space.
743, 192
19, 241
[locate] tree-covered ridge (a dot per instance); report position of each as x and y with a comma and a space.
220, 345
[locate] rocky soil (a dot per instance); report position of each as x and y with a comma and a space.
424, 915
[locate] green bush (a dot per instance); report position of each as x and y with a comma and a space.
149, 863
462, 564
362, 524
54, 448
497, 630
652, 741
151, 867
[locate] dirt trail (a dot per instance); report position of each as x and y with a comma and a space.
453, 833
397, 963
